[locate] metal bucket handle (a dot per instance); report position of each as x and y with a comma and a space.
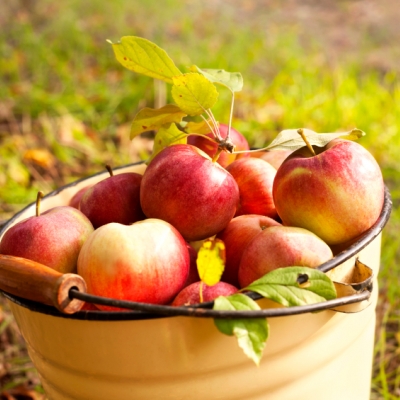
204, 310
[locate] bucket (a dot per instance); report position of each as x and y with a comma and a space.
323, 351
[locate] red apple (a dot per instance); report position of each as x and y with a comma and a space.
147, 261
338, 194
114, 199
274, 157
236, 236
211, 148
184, 187
53, 238
76, 198
193, 272
255, 178
191, 294
281, 246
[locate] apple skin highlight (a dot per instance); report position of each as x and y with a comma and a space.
338, 194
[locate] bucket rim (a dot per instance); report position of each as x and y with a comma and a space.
140, 311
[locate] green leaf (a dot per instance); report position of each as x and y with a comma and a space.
290, 139
211, 261
144, 57
251, 333
193, 93
149, 119
232, 80
167, 136
294, 286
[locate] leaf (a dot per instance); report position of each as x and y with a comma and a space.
211, 261
144, 57
148, 119
166, 136
193, 93
232, 80
290, 139
286, 286
251, 333
198, 127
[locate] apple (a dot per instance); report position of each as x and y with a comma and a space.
255, 178
236, 236
191, 294
184, 187
147, 261
211, 148
114, 199
193, 272
76, 198
53, 238
338, 193
278, 247
274, 157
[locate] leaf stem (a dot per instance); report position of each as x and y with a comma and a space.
230, 116
215, 123
216, 134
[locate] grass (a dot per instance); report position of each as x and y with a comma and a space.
66, 104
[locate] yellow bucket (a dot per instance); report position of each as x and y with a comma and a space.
95, 355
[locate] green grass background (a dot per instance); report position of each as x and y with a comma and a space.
328, 66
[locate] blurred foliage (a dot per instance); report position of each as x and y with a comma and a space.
66, 104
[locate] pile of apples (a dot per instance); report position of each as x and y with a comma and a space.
135, 237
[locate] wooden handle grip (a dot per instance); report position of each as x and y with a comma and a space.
34, 281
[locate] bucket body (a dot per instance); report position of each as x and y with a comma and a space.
324, 355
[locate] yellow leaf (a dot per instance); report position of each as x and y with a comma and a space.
211, 261
198, 127
193, 93
167, 136
149, 119
40, 157
144, 57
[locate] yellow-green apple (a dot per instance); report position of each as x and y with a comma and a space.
53, 238
114, 199
184, 187
274, 157
236, 236
147, 261
278, 247
338, 193
255, 178
191, 294
210, 147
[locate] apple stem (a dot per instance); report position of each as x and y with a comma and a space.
216, 155
109, 169
201, 292
38, 200
303, 136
